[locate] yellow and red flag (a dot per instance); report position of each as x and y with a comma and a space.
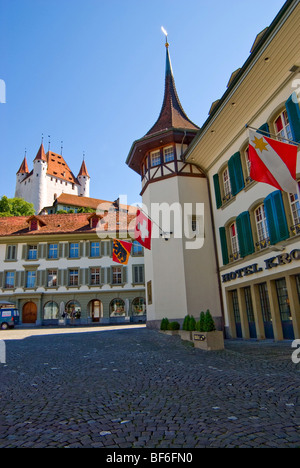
273, 162
121, 251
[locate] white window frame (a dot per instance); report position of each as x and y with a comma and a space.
235, 248
116, 275
74, 277
295, 207
226, 183
52, 278
169, 154
261, 223
155, 158
285, 132
95, 276
10, 279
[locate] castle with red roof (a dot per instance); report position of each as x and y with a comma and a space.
49, 178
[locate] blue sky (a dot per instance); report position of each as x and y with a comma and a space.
90, 73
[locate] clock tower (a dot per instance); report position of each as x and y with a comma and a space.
181, 267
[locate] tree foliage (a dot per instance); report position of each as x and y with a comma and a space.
15, 207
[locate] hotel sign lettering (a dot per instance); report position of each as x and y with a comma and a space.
270, 263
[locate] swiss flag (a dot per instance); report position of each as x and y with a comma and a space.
143, 230
273, 162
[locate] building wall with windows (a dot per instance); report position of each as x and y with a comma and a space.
258, 237
257, 227
49, 274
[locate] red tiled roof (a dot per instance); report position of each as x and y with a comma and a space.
18, 226
41, 154
83, 170
85, 202
57, 167
24, 167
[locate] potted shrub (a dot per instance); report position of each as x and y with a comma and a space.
169, 328
164, 324
207, 337
173, 328
189, 325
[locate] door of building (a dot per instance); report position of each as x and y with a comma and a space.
266, 311
236, 313
250, 313
96, 310
29, 313
285, 310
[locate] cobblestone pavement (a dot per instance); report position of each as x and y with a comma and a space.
138, 388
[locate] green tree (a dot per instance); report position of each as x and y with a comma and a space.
209, 322
15, 207
86, 210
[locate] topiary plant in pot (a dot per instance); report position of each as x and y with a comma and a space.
164, 324
208, 338
186, 332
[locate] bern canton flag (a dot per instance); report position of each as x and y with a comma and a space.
121, 251
273, 162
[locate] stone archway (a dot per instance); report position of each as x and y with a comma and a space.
29, 313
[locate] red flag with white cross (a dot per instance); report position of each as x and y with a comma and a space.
143, 230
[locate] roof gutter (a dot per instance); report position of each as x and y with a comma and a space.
283, 14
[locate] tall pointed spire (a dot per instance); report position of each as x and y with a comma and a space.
24, 167
41, 154
172, 114
83, 170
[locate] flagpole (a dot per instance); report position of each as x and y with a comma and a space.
272, 135
162, 231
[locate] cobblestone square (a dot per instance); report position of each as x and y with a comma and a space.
137, 388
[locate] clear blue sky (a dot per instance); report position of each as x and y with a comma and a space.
91, 73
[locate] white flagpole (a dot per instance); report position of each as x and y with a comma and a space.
271, 135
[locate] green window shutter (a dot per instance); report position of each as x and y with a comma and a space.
108, 275
80, 249
65, 277
276, 217
245, 236
24, 252
236, 173
293, 111
264, 130
60, 250
124, 274
217, 191
87, 249
102, 273
224, 246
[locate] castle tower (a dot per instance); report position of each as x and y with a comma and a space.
21, 174
84, 180
181, 278
39, 180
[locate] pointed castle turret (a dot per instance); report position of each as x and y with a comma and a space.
84, 180
181, 274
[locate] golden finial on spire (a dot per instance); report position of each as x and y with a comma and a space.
166, 34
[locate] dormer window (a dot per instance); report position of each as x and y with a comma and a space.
35, 223
94, 220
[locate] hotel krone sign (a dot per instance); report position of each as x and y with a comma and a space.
270, 263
